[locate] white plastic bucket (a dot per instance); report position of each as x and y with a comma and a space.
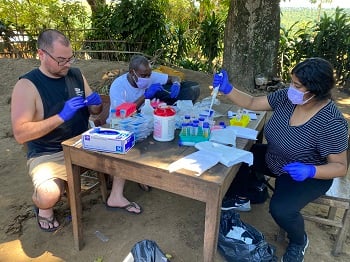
164, 123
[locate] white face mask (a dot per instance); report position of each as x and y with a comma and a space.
142, 82
296, 96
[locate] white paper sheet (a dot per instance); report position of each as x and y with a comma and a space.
198, 162
223, 136
244, 132
228, 156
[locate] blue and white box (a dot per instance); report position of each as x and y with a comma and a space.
108, 140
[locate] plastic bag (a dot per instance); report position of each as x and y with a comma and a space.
250, 246
148, 251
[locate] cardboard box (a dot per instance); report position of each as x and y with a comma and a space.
108, 140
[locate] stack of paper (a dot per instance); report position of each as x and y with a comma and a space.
209, 155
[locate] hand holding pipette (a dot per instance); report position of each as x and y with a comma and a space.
215, 93
222, 82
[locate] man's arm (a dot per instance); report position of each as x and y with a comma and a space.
27, 113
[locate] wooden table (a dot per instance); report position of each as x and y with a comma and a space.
147, 163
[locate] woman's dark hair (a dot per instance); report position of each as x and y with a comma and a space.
317, 75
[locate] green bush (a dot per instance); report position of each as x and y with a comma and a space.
329, 38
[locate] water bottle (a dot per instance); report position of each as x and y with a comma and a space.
147, 108
113, 119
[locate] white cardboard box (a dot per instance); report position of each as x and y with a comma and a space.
108, 140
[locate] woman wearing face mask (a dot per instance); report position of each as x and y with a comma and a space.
307, 139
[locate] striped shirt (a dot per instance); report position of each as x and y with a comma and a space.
310, 143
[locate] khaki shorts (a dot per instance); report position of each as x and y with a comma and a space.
47, 167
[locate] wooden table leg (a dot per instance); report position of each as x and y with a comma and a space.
74, 188
212, 219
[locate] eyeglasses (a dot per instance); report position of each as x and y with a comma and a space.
60, 60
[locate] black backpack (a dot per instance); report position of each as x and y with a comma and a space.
249, 184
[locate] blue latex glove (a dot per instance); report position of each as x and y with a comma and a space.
299, 171
93, 99
175, 90
71, 107
152, 90
222, 81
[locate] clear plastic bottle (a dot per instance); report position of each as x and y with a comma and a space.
147, 108
112, 114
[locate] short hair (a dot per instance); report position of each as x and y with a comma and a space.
137, 60
317, 75
47, 37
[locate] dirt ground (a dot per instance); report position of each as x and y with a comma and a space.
175, 223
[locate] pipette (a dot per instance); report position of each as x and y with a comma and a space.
215, 93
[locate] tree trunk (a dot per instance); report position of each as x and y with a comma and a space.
94, 4
251, 41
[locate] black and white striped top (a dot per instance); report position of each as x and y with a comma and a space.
325, 133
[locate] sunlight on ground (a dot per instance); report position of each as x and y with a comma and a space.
13, 251
344, 102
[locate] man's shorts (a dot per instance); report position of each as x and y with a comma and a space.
47, 167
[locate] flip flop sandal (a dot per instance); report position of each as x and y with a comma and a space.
48, 221
126, 208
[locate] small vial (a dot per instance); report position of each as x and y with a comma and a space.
239, 114
184, 129
206, 129
101, 236
187, 119
222, 124
201, 121
194, 129
113, 118
122, 113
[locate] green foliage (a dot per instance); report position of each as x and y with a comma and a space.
329, 38
211, 36
35, 15
134, 25
29, 18
332, 42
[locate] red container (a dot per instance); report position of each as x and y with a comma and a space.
125, 110
164, 123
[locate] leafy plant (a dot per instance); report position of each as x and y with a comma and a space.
329, 38
210, 38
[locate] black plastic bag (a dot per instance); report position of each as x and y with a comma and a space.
148, 251
237, 250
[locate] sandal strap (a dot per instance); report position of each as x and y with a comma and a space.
48, 220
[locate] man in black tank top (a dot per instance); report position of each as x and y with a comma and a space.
45, 111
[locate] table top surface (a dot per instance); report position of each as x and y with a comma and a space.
155, 154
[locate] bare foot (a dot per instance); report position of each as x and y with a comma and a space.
46, 219
131, 207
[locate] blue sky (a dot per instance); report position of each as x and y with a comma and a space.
306, 3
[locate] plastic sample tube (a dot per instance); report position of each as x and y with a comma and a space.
187, 119
184, 129
206, 129
195, 129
